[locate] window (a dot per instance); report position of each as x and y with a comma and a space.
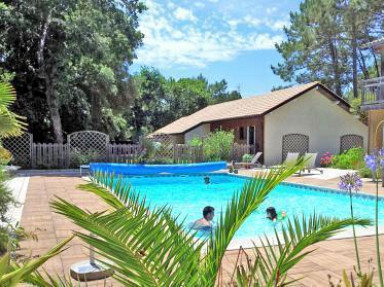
241, 133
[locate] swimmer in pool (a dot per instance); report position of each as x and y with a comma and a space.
206, 221
273, 215
207, 180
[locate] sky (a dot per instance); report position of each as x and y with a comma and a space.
220, 39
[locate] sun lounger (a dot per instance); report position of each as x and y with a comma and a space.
252, 163
291, 158
310, 163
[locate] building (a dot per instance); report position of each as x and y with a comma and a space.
305, 118
373, 99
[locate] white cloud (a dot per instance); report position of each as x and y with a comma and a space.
184, 14
199, 4
181, 39
278, 25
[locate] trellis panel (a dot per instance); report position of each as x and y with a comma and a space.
295, 143
21, 149
93, 143
350, 141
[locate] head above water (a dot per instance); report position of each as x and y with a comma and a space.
271, 212
208, 213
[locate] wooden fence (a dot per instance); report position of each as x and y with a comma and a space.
94, 146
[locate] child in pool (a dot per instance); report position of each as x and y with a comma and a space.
272, 214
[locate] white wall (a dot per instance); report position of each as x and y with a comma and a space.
199, 131
314, 115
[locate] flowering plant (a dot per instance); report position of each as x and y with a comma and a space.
326, 159
350, 181
375, 162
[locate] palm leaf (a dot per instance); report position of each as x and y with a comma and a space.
143, 247
10, 123
12, 274
242, 205
292, 246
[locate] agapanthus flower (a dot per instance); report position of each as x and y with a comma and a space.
350, 181
371, 162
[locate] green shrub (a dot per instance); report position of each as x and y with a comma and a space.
216, 146
350, 159
247, 157
365, 172
79, 157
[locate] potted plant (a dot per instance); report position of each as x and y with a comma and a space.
247, 158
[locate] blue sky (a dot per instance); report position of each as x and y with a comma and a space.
221, 39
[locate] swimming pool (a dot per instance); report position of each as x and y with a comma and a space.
151, 169
188, 195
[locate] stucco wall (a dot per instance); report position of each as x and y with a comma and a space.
314, 115
199, 131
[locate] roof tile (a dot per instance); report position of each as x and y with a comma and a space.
253, 106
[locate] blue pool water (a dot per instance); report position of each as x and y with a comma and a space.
188, 195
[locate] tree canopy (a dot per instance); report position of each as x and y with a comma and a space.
324, 40
69, 63
160, 101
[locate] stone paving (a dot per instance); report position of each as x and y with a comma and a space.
330, 258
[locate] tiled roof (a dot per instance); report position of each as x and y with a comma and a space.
253, 106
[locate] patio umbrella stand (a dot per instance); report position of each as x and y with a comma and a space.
90, 270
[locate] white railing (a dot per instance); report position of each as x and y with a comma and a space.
372, 91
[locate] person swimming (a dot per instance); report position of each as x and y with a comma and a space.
207, 180
273, 215
205, 222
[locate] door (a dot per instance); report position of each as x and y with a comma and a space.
251, 135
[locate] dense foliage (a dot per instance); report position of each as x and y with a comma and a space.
350, 159
216, 146
324, 42
160, 100
69, 60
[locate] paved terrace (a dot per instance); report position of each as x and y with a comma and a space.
330, 258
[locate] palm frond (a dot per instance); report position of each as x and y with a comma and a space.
143, 247
11, 124
296, 236
242, 205
7, 94
11, 274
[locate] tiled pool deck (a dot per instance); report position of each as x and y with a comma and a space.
330, 258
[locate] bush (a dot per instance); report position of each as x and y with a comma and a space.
217, 145
247, 157
5, 156
350, 159
84, 157
326, 159
365, 172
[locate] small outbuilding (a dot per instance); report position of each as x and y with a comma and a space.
304, 118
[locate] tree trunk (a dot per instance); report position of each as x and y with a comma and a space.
96, 110
335, 65
52, 101
363, 65
375, 62
50, 89
354, 59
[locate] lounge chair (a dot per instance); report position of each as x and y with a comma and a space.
310, 163
252, 163
291, 158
